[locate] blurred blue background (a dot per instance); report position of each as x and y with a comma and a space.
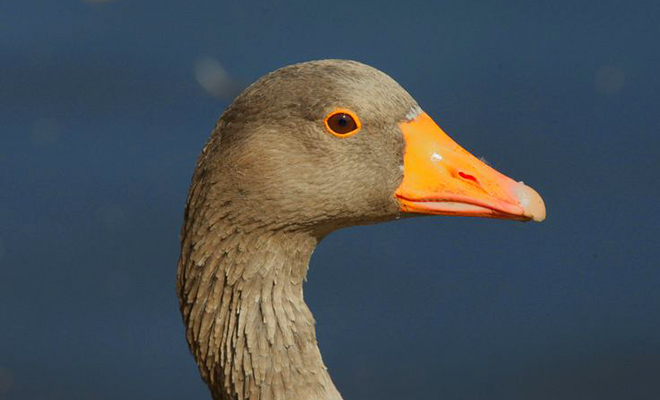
106, 104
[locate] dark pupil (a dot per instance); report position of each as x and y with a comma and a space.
342, 123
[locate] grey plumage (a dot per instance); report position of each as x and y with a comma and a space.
269, 184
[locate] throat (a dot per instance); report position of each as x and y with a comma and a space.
247, 324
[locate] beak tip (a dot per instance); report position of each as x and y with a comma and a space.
531, 202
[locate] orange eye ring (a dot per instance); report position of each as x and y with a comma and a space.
342, 123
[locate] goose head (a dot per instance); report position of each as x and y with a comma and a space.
331, 143
303, 151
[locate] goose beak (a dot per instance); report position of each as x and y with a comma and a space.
442, 178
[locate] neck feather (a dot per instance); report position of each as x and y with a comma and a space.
247, 324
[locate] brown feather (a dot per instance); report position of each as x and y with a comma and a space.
268, 185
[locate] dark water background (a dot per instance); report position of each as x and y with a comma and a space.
104, 107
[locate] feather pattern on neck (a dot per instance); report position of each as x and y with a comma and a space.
248, 326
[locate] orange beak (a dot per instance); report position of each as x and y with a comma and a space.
440, 177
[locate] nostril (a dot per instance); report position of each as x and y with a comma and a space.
467, 177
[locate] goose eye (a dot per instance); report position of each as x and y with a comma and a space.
342, 123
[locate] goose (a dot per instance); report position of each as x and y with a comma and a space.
306, 150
